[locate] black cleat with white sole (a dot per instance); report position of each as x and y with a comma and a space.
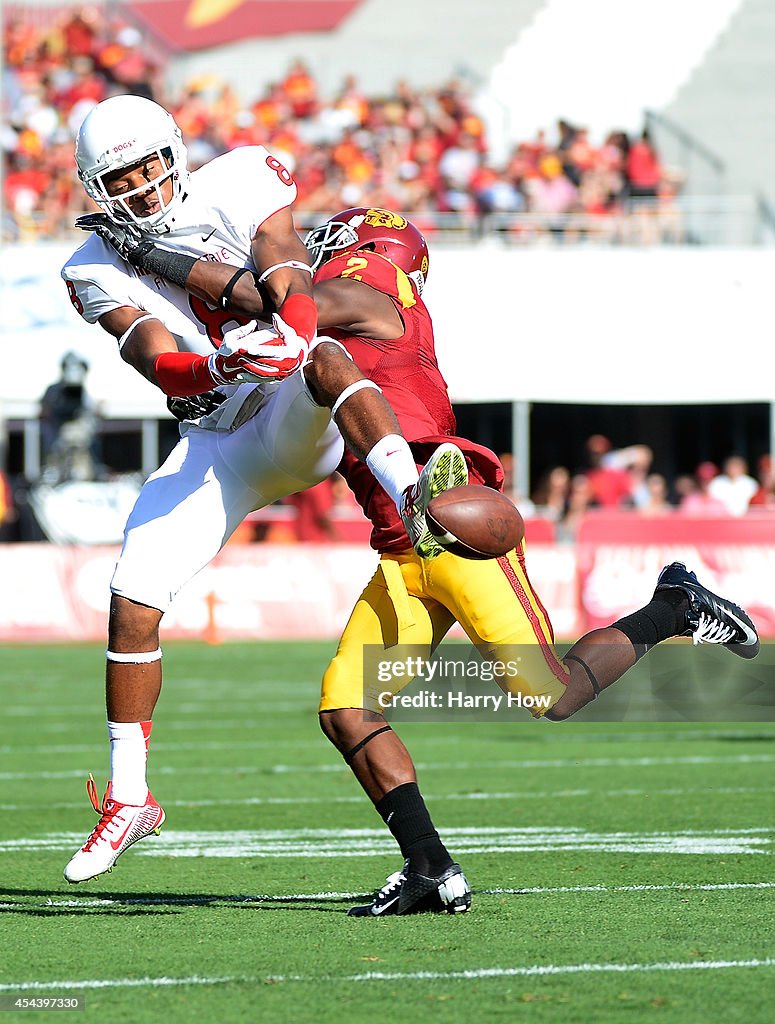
711, 619
409, 892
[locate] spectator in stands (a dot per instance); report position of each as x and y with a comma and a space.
458, 166
684, 486
301, 90
551, 193
699, 501
656, 503
643, 167
765, 493
616, 476
644, 181
552, 493
351, 104
734, 488
7, 510
580, 500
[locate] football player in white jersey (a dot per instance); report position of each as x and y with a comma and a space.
252, 428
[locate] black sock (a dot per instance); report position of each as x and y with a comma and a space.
404, 812
663, 617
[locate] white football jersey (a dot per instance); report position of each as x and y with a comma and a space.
226, 202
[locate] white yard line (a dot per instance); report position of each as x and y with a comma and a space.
316, 897
315, 844
335, 767
572, 794
81, 985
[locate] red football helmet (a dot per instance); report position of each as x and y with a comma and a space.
380, 231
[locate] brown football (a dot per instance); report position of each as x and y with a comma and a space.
475, 522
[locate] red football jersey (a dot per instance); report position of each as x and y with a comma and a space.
406, 370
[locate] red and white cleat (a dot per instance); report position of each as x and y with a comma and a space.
119, 826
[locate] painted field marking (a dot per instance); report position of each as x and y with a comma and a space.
284, 769
313, 843
300, 897
534, 970
572, 794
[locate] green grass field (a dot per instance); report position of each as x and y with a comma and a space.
621, 871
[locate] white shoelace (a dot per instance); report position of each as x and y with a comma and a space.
711, 631
394, 881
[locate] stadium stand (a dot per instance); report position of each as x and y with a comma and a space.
728, 102
395, 133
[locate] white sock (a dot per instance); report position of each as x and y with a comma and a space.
128, 756
392, 463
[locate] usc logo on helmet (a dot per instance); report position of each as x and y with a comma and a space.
376, 218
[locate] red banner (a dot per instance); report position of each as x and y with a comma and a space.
284, 591
620, 555
199, 24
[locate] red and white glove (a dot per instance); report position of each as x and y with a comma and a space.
233, 363
263, 355
245, 356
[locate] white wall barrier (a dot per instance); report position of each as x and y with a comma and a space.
554, 322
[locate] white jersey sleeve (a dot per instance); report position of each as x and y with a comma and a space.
98, 280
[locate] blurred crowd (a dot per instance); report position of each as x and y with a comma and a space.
423, 152
625, 479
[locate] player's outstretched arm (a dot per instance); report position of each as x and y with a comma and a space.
147, 345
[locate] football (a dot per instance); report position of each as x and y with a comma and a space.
475, 522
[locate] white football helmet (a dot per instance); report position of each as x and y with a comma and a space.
120, 132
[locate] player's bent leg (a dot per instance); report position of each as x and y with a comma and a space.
298, 436
680, 606
161, 551
594, 662
376, 755
389, 614
429, 879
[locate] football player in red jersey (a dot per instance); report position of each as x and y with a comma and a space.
370, 268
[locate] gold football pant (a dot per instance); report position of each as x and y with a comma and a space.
414, 602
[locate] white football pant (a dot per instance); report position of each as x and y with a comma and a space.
192, 504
